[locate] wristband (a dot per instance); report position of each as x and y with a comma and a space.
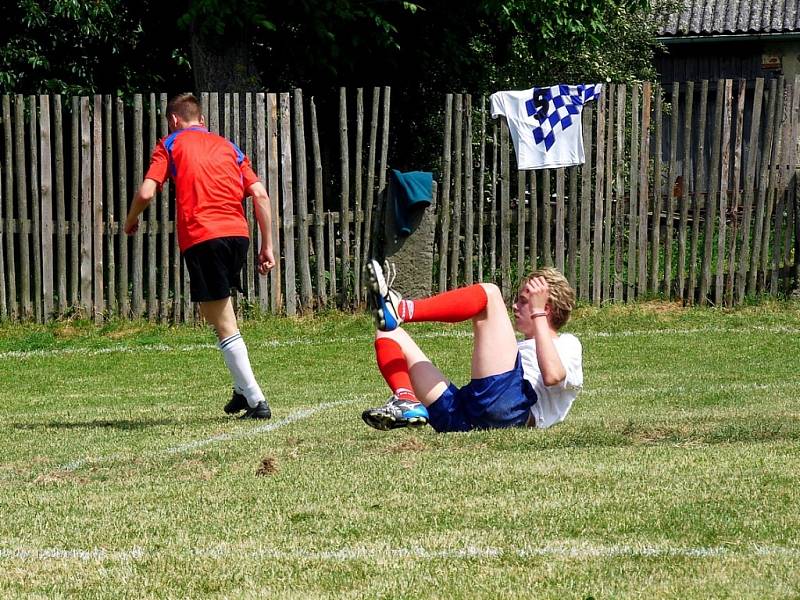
538, 314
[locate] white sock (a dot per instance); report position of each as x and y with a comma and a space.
234, 352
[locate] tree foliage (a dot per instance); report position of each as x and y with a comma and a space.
429, 45
79, 47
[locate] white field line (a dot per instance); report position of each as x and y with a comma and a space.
321, 340
298, 415
380, 554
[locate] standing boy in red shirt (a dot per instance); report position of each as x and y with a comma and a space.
212, 176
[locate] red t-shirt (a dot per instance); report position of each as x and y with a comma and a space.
210, 175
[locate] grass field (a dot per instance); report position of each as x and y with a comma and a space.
677, 474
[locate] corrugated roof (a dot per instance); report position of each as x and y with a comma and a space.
727, 17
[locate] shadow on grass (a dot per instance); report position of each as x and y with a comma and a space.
122, 424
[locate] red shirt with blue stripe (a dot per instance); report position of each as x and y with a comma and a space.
211, 174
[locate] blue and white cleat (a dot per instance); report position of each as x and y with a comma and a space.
396, 413
384, 300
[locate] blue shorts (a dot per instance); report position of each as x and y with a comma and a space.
493, 402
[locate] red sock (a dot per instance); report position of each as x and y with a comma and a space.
449, 307
394, 368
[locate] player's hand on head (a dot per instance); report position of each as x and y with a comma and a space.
538, 292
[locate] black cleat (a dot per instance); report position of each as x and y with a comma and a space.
259, 411
236, 404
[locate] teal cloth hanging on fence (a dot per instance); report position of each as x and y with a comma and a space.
411, 191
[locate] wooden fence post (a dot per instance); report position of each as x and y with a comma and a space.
560, 217
586, 204
11, 283
619, 209
61, 224
302, 201
599, 185
344, 219
319, 224
138, 239
287, 195
481, 190
455, 229
369, 250
699, 191
767, 262
505, 213
152, 219
749, 187
766, 154
723, 190
36, 220
644, 151
607, 241
444, 207
97, 207
122, 182
737, 173
46, 211
271, 118
108, 199
22, 204
86, 210
469, 198
572, 226
358, 174
672, 176
686, 177
711, 201
658, 195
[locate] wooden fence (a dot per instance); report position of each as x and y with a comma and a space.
689, 193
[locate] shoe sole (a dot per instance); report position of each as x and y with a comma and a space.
256, 416
265, 415
378, 286
376, 282
384, 422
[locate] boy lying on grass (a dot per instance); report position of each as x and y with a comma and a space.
530, 383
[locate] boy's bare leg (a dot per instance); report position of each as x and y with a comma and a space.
495, 344
220, 315
247, 393
428, 381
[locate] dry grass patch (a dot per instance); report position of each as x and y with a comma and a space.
408, 445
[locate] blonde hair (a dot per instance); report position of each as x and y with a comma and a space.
186, 107
562, 296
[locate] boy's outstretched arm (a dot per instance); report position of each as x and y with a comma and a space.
266, 260
141, 200
550, 365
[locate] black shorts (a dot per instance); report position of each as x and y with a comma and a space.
215, 267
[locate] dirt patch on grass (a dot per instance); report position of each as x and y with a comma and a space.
124, 332
196, 470
409, 445
59, 477
66, 331
267, 467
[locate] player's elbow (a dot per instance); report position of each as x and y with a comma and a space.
554, 377
147, 191
551, 381
258, 193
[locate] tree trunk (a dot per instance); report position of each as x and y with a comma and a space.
223, 64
